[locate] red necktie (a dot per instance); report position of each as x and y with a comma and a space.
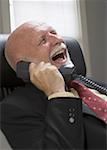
94, 102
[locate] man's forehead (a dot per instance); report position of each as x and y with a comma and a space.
44, 27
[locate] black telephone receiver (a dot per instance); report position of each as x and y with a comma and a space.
69, 73
22, 71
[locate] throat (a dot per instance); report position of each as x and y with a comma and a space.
59, 56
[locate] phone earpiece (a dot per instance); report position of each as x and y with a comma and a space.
67, 72
22, 71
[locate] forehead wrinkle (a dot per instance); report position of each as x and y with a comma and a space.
44, 28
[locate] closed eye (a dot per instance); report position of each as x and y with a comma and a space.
42, 40
53, 32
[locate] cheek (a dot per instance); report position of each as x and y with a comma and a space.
45, 52
42, 54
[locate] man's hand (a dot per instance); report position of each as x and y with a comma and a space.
47, 78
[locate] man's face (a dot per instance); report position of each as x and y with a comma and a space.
48, 46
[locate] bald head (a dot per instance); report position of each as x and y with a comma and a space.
21, 42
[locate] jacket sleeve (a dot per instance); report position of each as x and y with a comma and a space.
64, 129
23, 130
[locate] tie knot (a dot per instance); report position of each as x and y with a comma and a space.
78, 86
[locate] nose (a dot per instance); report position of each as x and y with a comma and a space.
54, 39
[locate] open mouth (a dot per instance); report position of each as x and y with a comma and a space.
59, 57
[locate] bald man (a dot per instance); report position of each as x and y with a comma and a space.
43, 115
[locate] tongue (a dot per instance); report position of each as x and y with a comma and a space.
59, 56
59, 60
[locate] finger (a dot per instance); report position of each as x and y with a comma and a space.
34, 69
33, 66
45, 66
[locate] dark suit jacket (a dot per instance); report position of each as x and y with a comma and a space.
31, 121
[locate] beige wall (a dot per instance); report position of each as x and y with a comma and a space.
4, 17
106, 42
0, 19
96, 25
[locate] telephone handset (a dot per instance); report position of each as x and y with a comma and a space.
69, 73
22, 71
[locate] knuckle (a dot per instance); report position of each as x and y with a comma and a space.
31, 78
53, 67
33, 75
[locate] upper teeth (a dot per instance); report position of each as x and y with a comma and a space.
58, 50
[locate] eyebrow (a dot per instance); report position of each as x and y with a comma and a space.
43, 34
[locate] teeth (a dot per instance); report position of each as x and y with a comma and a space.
58, 50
